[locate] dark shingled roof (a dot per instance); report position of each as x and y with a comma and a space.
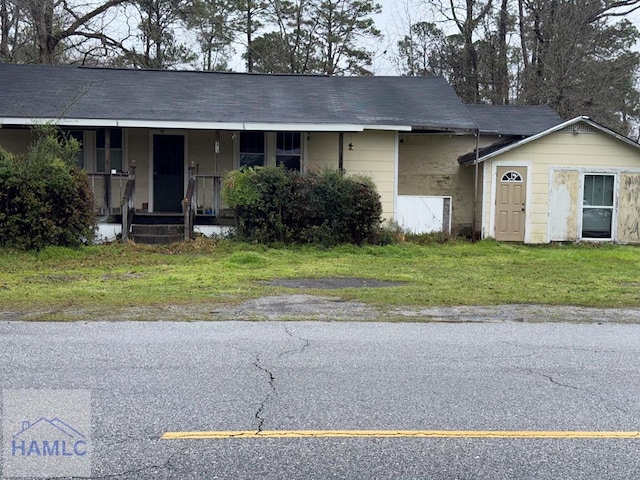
469, 158
523, 120
40, 91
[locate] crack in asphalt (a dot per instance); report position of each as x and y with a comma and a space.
558, 347
272, 378
294, 350
166, 465
551, 379
600, 397
263, 404
480, 358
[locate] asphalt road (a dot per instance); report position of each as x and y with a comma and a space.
147, 379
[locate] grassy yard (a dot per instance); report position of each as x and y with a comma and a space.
205, 272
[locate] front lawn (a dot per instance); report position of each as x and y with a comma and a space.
206, 272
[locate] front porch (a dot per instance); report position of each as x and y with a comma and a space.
118, 217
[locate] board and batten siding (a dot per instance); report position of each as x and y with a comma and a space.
557, 163
373, 154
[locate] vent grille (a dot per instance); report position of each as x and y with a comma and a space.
579, 128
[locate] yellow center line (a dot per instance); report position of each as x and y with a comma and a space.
221, 435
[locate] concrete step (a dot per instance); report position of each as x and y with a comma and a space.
157, 234
159, 218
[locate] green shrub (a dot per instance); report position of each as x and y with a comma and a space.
259, 197
45, 199
272, 204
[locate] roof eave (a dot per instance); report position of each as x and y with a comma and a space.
196, 125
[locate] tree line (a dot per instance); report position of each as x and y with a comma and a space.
294, 36
579, 56
576, 55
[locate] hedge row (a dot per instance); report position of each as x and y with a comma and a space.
272, 204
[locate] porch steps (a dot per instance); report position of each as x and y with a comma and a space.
157, 234
164, 228
157, 228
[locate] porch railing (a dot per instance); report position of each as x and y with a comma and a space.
207, 199
202, 198
107, 188
128, 205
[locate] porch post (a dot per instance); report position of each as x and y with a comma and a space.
107, 168
128, 202
187, 203
341, 152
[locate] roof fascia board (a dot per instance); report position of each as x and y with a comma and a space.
393, 128
58, 121
100, 123
558, 127
604, 129
445, 131
302, 127
162, 124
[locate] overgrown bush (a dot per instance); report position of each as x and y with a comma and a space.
272, 204
45, 199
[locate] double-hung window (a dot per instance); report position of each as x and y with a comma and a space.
252, 151
288, 150
597, 206
116, 152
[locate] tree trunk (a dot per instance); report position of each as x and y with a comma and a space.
42, 14
4, 31
502, 87
523, 30
249, 38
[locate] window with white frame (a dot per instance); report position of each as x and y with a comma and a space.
116, 151
597, 206
252, 149
289, 150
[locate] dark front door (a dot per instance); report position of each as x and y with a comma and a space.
168, 173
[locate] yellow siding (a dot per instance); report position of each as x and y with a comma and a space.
322, 151
428, 165
137, 149
560, 150
225, 157
201, 151
373, 155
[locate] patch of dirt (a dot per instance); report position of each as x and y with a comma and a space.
522, 313
328, 308
299, 307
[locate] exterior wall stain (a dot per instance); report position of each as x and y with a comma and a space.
628, 212
564, 206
